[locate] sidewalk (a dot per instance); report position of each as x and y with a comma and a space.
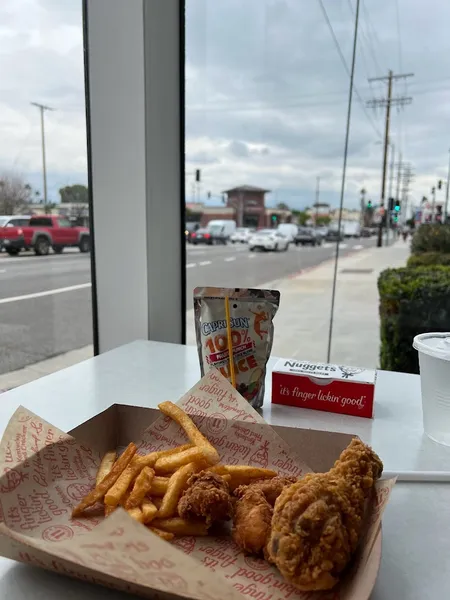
302, 321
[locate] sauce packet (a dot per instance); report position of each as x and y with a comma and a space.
251, 314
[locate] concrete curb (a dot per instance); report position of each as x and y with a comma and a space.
45, 367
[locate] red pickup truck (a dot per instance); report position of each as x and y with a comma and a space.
44, 232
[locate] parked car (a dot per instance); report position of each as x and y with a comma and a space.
307, 235
12, 221
268, 239
44, 232
366, 232
289, 230
351, 229
191, 227
241, 235
202, 236
221, 230
334, 235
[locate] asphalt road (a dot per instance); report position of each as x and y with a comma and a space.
36, 322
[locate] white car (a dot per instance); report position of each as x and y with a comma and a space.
241, 235
268, 239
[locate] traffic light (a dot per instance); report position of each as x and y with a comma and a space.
397, 206
440, 184
274, 219
197, 175
391, 203
369, 204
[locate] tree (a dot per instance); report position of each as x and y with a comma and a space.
302, 216
77, 194
282, 206
323, 220
15, 195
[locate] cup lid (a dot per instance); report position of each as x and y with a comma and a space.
434, 344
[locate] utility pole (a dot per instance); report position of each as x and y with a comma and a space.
399, 177
317, 200
387, 102
408, 176
446, 191
391, 184
433, 204
43, 108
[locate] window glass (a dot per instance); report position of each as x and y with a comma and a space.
267, 86
42, 75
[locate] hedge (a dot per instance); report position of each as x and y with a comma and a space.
428, 259
431, 238
412, 301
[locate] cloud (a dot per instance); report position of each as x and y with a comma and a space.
266, 93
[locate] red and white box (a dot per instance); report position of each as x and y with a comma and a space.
333, 388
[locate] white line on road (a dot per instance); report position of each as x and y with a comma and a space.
252, 256
358, 247
190, 265
70, 288
2, 270
204, 263
230, 259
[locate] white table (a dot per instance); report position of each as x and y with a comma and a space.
416, 544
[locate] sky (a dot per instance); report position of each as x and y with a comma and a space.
266, 95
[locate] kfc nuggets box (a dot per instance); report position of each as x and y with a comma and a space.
45, 473
320, 386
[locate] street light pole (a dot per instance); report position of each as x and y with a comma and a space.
43, 108
317, 200
446, 190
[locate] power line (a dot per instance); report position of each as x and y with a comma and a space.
344, 62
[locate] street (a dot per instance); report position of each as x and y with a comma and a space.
45, 302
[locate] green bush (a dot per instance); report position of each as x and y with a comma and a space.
431, 238
412, 301
428, 259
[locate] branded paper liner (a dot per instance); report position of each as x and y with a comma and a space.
46, 472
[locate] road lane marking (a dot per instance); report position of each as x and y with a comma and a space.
204, 263
190, 265
2, 270
70, 288
358, 247
252, 256
230, 259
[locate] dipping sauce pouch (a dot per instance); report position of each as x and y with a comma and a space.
251, 313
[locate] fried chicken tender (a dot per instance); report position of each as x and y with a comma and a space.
317, 521
253, 512
206, 497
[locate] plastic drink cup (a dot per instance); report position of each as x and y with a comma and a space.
434, 363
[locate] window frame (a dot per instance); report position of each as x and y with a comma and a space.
136, 151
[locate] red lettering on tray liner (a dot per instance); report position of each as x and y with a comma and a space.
331, 388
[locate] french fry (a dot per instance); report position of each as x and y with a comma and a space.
179, 526
243, 474
168, 464
148, 460
195, 436
136, 514
218, 469
177, 484
105, 466
141, 486
157, 502
159, 486
102, 488
165, 535
115, 494
149, 510
109, 510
